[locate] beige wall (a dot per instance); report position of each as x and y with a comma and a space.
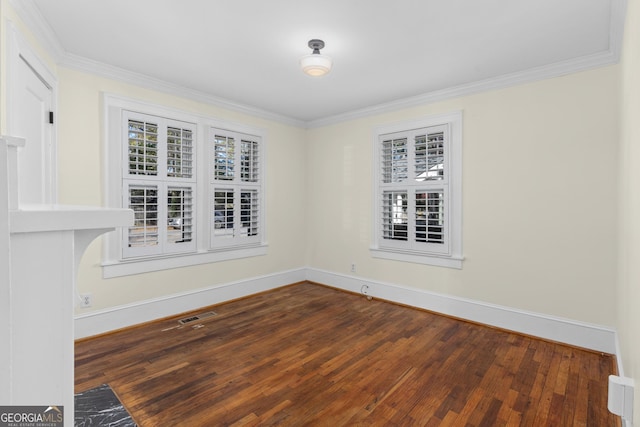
539, 170
80, 178
629, 283
539, 197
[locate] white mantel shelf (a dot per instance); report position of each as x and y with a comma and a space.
42, 218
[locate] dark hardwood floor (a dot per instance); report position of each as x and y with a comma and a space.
311, 355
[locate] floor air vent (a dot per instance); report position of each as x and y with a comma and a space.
197, 317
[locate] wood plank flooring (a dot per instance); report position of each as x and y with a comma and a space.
308, 355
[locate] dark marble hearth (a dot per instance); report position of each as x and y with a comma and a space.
100, 407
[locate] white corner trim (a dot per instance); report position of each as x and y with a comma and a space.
115, 318
572, 332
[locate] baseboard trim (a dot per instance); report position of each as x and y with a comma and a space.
580, 334
572, 332
99, 322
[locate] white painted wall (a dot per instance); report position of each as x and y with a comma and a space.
629, 282
539, 198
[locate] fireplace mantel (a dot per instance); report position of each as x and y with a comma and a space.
40, 249
38, 218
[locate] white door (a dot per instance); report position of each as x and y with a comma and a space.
30, 111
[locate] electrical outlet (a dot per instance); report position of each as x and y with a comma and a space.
85, 300
353, 267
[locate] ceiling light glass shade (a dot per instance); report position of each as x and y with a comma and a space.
316, 64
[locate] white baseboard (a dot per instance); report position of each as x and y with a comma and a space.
99, 322
594, 337
590, 336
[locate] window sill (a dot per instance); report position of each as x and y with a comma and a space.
128, 267
448, 261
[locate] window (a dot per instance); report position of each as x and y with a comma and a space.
236, 188
418, 191
158, 185
195, 184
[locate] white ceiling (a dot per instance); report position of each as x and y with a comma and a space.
247, 51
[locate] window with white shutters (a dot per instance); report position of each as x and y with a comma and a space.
194, 183
418, 191
236, 189
158, 185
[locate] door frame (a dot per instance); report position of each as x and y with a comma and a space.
19, 50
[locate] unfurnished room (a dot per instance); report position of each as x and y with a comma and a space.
295, 213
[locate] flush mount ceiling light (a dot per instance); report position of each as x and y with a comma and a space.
316, 64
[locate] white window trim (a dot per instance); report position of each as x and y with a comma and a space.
113, 265
454, 258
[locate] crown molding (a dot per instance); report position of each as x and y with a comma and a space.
141, 80
30, 14
33, 19
608, 57
507, 80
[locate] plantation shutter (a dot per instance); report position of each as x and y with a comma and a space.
429, 157
249, 161
142, 148
179, 152
235, 189
413, 190
180, 227
430, 218
224, 158
223, 211
249, 213
395, 160
159, 185
142, 238
394, 215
